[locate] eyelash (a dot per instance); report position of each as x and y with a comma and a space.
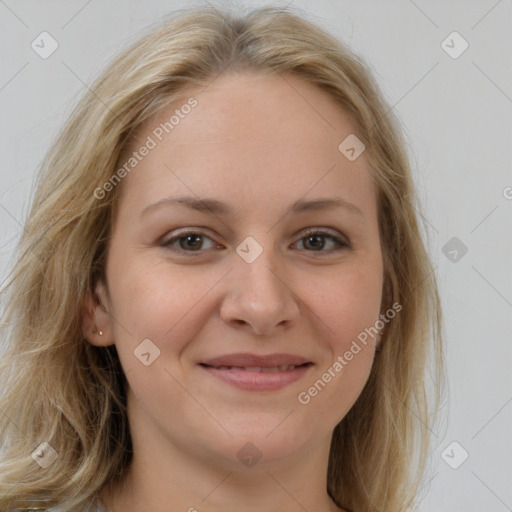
342, 244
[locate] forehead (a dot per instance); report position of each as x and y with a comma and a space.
252, 133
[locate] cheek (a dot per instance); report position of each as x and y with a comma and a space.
156, 301
164, 305
348, 306
349, 301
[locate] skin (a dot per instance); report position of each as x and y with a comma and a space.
258, 143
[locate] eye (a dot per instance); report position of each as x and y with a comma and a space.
315, 241
187, 241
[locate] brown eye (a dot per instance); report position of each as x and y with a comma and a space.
193, 242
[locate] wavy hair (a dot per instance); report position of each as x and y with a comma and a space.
59, 389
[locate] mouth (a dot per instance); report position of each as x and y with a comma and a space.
259, 369
258, 378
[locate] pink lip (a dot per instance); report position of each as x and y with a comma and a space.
245, 360
251, 380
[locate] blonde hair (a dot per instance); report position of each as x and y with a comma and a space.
60, 389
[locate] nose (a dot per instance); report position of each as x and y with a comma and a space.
259, 298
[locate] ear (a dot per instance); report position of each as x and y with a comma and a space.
96, 317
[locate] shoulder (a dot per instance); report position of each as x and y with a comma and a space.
96, 505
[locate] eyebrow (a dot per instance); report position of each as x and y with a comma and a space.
215, 207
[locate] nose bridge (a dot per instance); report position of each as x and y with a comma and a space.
258, 294
259, 280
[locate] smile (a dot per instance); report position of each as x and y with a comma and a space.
282, 368
258, 378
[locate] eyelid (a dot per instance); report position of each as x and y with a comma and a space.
325, 231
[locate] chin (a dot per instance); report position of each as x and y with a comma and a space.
260, 447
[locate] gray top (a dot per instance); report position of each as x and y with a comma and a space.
96, 505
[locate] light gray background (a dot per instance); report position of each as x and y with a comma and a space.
457, 115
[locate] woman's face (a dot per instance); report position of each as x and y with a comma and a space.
203, 295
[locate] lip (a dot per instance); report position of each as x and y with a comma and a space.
247, 371
248, 360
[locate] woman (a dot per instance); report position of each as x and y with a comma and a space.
222, 300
